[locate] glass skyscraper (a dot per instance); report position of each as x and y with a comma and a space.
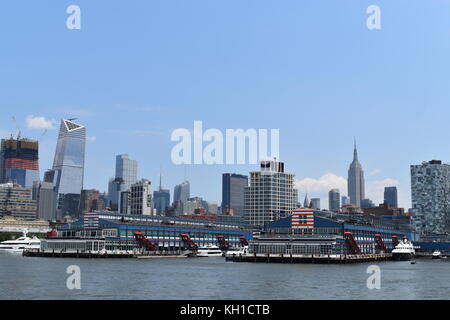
126, 175
68, 167
233, 189
181, 192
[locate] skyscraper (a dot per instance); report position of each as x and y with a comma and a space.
68, 167
140, 199
233, 189
182, 192
430, 195
334, 198
315, 203
126, 175
271, 194
126, 169
390, 196
44, 194
355, 181
161, 198
19, 161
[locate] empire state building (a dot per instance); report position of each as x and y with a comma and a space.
355, 180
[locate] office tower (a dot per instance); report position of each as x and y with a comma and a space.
334, 198
182, 192
356, 181
390, 196
315, 203
140, 199
271, 194
367, 203
126, 175
45, 196
19, 161
17, 201
68, 167
115, 188
91, 201
430, 195
345, 200
233, 189
126, 169
161, 198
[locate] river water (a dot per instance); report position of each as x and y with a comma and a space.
215, 278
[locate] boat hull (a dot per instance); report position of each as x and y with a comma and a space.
402, 256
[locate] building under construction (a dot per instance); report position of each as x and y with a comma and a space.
19, 161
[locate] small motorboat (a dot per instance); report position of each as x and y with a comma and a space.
436, 255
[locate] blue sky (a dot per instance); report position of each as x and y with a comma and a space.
139, 69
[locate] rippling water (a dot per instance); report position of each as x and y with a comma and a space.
214, 278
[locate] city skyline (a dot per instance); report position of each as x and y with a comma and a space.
329, 77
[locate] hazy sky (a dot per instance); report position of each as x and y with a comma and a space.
139, 69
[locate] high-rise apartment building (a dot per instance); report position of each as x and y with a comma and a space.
19, 161
356, 189
68, 167
390, 196
17, 201
334, 200
270, 195
233, 189
140, 198
430, 195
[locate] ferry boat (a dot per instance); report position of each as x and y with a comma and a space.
235, 252
20, 244
404, 251
209, 251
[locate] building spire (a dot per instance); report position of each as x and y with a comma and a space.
306, 202
355, 151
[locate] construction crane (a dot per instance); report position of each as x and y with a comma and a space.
351, 244
144, 242
188, 242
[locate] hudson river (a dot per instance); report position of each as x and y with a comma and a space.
214, 278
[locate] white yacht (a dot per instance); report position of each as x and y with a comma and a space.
18, 245
404, 251
209, 251
236, 251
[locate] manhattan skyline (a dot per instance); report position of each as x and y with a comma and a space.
328, 78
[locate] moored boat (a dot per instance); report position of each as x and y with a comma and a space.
20, 244
404, 251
